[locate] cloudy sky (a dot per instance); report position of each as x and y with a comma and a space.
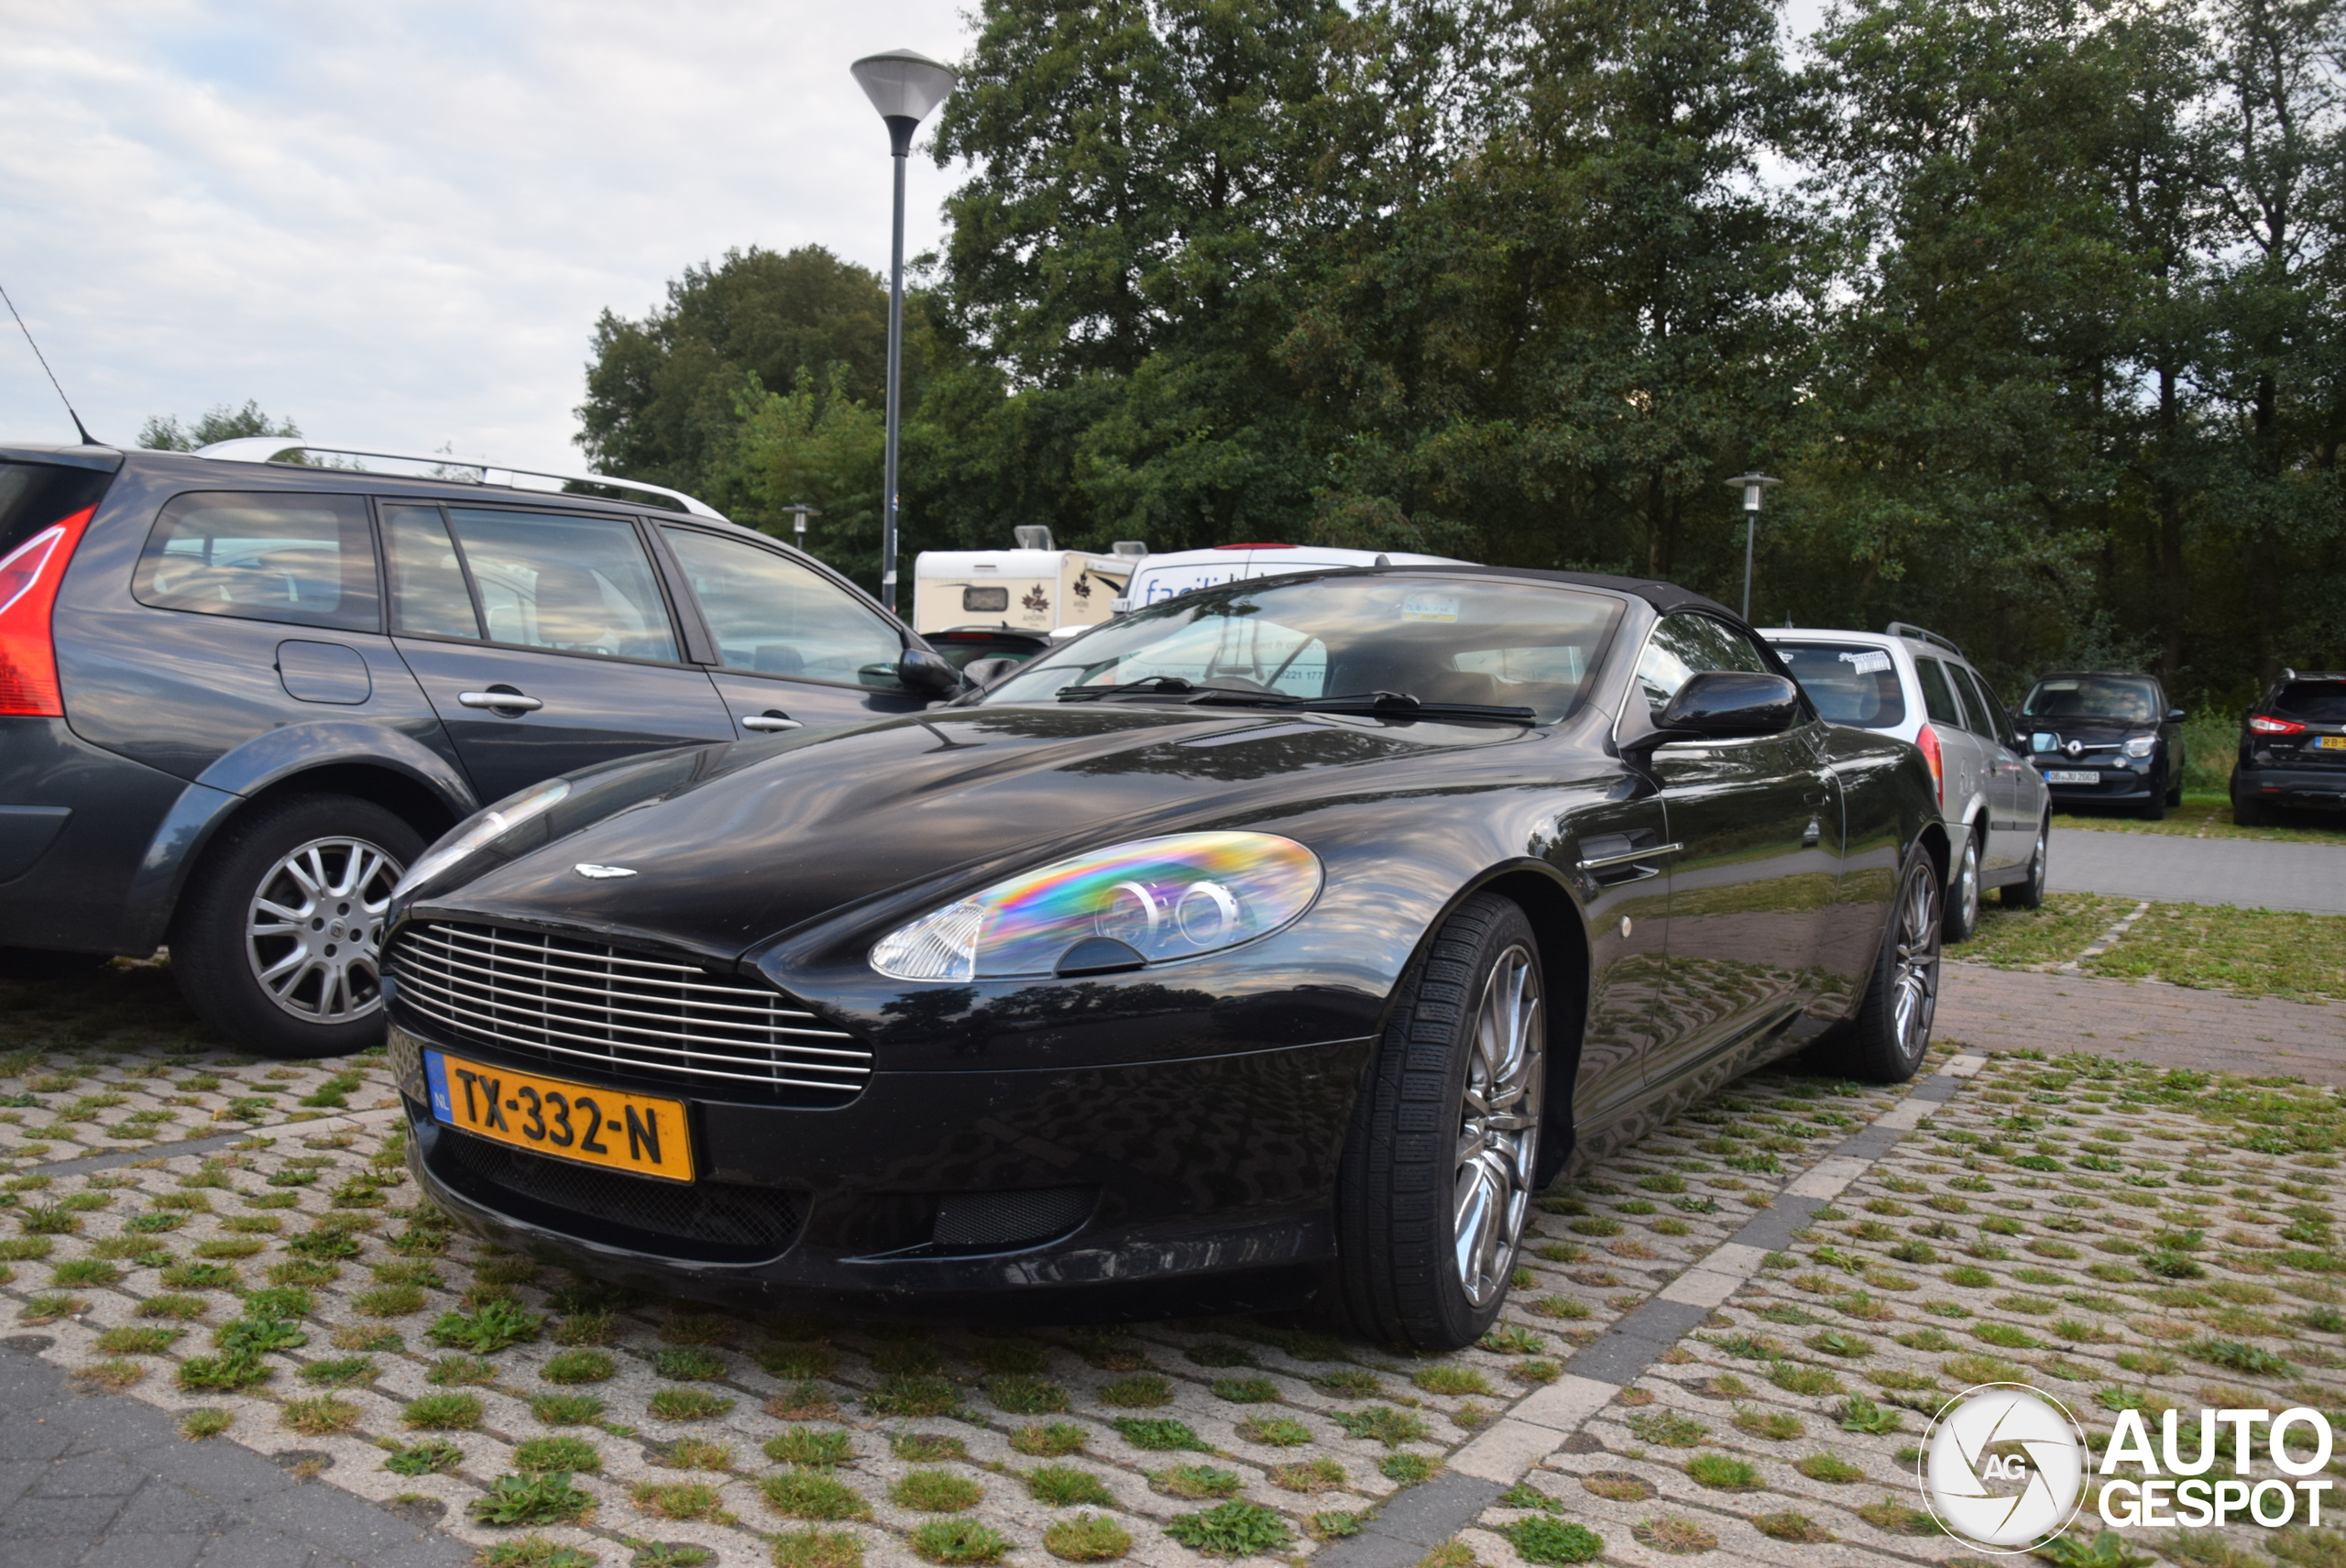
397, 221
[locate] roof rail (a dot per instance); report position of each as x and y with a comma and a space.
269, 448
1903, 629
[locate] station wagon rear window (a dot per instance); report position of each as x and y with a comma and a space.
1849, 682
305, 560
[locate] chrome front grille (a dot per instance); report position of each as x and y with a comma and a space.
572, 1001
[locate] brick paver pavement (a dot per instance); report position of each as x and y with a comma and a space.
2147, 1021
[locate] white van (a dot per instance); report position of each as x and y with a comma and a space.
1034, 587
1161, 577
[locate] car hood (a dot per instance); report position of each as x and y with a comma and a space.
747, 843
2088, 729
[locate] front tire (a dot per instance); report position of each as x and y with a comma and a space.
1439, 1167
1891, 1032
1963, 898
2154, 809
276, 941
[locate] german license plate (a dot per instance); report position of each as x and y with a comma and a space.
642, 1134
2329, 743
2064, 775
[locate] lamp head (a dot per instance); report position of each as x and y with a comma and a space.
1753, 484
905, 88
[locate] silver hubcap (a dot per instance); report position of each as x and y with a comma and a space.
1914, 977
2036, 862
315, 926
1966, 891
1498, 1133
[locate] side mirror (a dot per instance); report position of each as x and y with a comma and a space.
1722, 705
928, 674
985, 672
2176, 715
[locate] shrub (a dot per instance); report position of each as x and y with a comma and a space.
1197, 1481
1087, 1538
957, 1542
1554, 1541
688, 1405
543, 1455
820, 1450
442, 1412
1723, 1474
1026, 1396
935, 1492
1051, 1440
1063, 1486
320, 1416
812, 1548
1274, 1432
1144, 1392
565, 1409
531, 1499
1233, 1529
579, 1366
813, 1494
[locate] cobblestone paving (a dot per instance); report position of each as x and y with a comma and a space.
283, 1290
2118, 1236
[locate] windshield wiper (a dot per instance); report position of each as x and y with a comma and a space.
1150, 685
1388, 704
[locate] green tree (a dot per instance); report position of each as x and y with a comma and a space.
821, 446
662, 393
163, 432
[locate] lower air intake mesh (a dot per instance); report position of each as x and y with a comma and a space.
711, 1221
1006, 1219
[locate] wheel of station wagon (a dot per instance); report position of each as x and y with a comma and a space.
276, 941
2247, 813
2030, 894
1963, 897
1891, 1031
1438, 1171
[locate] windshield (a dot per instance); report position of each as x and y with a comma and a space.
1439, 640
2128, 699
1848, 682
2313, 701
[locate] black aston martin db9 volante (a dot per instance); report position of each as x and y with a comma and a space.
1276, 942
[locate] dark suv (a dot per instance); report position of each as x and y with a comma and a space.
2293, 746
238, 697
2104, 738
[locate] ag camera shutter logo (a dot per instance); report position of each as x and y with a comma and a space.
2003, 1466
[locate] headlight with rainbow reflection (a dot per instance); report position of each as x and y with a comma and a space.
1148, 901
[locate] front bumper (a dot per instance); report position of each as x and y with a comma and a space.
1184, 1184
2119, 784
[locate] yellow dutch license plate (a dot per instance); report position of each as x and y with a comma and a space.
2331, 743
642, 1134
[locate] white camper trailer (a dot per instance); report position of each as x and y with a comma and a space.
1161, 577
1034, 587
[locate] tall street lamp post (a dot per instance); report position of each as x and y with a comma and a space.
905, 88
1753, 484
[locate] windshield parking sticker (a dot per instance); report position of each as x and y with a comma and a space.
1429, 606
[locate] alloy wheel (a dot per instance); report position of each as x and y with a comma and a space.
314, 930
1498, 1134
1966, 889
1914, 964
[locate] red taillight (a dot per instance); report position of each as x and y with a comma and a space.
2263, 726
1929, 741
29, 578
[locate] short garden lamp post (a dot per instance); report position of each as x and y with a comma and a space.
1753, 484
905, 88
799, 512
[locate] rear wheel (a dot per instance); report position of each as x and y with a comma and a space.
277, 942
2174, 790
2153, 807
1963, 898
1440, 1165
2030, 894
1891, 1032
2246, 813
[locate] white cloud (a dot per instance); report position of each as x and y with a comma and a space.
396, 222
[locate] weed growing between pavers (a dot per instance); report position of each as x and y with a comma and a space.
670, 1419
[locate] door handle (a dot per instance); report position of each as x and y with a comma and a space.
512, 699
769, 723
